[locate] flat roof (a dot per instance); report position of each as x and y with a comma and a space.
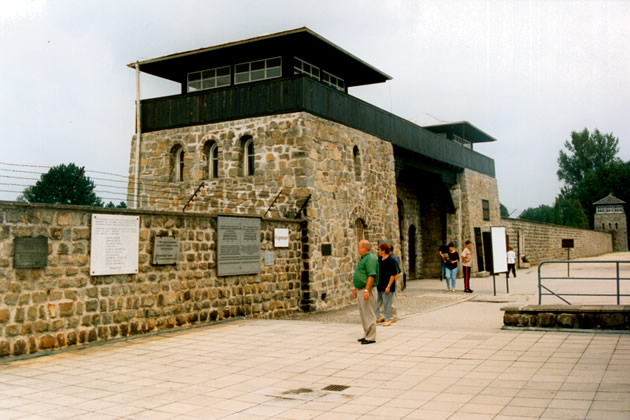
301, 42
463, 129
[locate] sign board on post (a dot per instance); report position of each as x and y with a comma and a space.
499, 250
238, 245
114, 247
567, 243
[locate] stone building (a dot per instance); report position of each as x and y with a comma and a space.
267, 127
610, 217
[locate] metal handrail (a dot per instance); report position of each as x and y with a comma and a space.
617, 278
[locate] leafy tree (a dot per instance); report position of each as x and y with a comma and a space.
504, 211
586, 153
569, 212
542, 213
120, 205
63, 184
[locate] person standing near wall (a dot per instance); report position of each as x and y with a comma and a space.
467, 266
452, 258
511, 262
403, 285
365, 280
443, 253
387, 284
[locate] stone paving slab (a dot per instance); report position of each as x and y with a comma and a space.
280, 369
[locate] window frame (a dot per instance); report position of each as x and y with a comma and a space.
249, 156
485, 210
266, 70
215, 78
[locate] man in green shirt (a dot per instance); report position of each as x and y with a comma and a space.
365, 281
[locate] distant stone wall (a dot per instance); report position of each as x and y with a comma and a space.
63, 305
543, 241
568, 317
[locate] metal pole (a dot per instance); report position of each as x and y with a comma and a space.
138, 137
618, 291
539, 285
507, 283
494, 284
568, 263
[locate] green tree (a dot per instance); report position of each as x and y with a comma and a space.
569, 212
586, 153
63, 184
542, 213
504, 211
120, 205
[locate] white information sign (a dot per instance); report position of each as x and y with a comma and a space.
499, 250
114, 247
281, 238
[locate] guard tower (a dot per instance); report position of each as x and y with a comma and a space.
267, 127
610, 217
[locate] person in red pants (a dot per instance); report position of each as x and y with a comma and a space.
467, 265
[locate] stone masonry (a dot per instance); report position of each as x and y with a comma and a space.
342, 174
62, 305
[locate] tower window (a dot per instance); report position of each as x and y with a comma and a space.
485, 208
249, 156
211, 157
258, 70
356, 160
177, 163
209, 79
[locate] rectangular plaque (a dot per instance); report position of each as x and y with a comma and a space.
238, 245
165, 250
114, 248
30, 252
281, 238
269, 258
326, 250
567, 243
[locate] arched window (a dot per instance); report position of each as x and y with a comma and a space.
359, 229
249, 155
177, 163
211, 157
356, 160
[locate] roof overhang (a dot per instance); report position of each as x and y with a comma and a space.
462, 129
301, 42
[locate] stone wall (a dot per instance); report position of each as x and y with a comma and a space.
616, 225
543, 241
343, 175
568, 317
63, 305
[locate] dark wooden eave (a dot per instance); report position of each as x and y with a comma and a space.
462, 129
301, 42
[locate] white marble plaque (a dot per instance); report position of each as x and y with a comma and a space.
281, 238
114, 247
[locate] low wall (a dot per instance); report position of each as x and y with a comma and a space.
543, 241
588, 317
63, 305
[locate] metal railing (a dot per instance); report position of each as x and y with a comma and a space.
617, 278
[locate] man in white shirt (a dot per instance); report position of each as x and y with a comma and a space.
511, 262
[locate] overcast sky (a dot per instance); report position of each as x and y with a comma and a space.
525, 72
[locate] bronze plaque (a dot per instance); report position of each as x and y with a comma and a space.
165, 250
30, 252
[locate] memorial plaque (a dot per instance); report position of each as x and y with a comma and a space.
165, 250
281, 238
30, 252
238, 245
114, 247
270, 258
326, 250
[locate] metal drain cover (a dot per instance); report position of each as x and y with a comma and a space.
335, 388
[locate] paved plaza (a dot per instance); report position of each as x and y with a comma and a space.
453, 362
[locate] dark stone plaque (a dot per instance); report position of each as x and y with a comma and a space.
238, 245
30, 252
165, 250
326, 250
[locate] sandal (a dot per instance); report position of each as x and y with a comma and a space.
379, 320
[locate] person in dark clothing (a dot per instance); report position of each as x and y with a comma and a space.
387, 286
442, 252
452, 258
